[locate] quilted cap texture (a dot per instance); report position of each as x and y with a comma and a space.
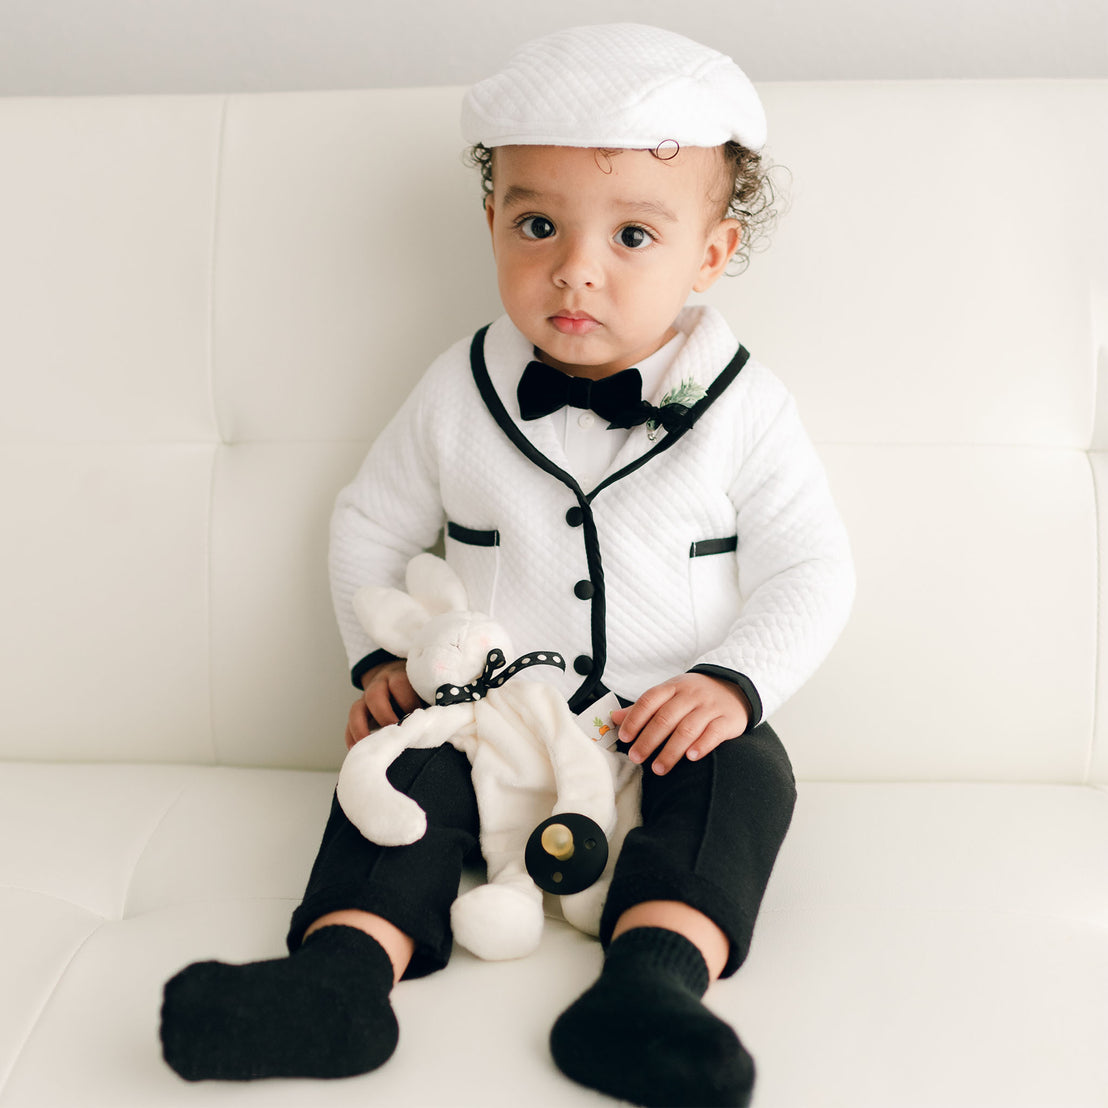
622, 86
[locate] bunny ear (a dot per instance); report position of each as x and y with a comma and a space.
435, 585
390, 617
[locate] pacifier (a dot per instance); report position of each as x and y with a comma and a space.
566, 853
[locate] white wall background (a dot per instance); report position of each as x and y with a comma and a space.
139, 46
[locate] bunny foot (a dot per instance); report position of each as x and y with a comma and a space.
496, 922
584, 909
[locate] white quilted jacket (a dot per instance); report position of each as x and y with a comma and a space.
611, 577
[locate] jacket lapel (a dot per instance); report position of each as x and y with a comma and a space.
499, 352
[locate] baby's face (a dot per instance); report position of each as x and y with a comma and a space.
596, 254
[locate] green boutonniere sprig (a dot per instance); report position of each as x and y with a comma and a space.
675, 407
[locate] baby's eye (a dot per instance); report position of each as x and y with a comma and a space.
635, 238
536, 227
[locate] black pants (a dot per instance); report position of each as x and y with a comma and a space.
710, 834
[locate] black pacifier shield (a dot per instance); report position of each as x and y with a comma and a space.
571, 875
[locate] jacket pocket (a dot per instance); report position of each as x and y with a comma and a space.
714, 589
470, 537
475, 556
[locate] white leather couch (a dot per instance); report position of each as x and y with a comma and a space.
209, 308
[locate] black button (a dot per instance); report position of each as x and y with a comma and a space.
584, 590
583, 664
575, 517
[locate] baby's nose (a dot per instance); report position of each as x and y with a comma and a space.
579, 265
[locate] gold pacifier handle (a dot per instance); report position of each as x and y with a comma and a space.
557, 841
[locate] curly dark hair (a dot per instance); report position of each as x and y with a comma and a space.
750, 194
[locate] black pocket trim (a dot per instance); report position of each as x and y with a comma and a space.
471, 537
714, 546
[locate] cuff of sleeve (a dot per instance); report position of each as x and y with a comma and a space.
746, 687
367, 663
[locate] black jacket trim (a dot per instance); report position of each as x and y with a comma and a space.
746, 687
496, 408
378, 657
705, 547
586, 692
723, 379
471, 537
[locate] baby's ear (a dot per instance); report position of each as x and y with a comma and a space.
435, 585
391, 617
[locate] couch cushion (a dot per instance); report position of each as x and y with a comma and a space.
215, 304
920, 945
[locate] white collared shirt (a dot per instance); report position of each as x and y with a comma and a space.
590, 447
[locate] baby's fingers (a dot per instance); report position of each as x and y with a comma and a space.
403, 696
710, 735
357, 724
697, 730
651, 722
634, 720
379, 704
389, 697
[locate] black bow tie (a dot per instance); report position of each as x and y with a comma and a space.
543, 389
618, 399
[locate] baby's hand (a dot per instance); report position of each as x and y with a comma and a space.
388, 697
690, 714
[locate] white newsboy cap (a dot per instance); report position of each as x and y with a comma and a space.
620, 86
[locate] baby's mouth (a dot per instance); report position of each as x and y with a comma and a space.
574, 323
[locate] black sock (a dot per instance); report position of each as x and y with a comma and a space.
642, 1034
322, 1012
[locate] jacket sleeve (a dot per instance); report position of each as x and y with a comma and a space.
795, 570
384, 517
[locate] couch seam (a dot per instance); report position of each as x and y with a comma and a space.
158, 824
209, 571
30, 890
1098, 631
217, 204
920, 910
17, 1056
954, 444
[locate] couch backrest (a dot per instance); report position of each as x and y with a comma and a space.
211, 305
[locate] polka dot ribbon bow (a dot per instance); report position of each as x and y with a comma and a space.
459, 694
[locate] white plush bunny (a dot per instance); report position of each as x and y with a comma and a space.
530, 757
